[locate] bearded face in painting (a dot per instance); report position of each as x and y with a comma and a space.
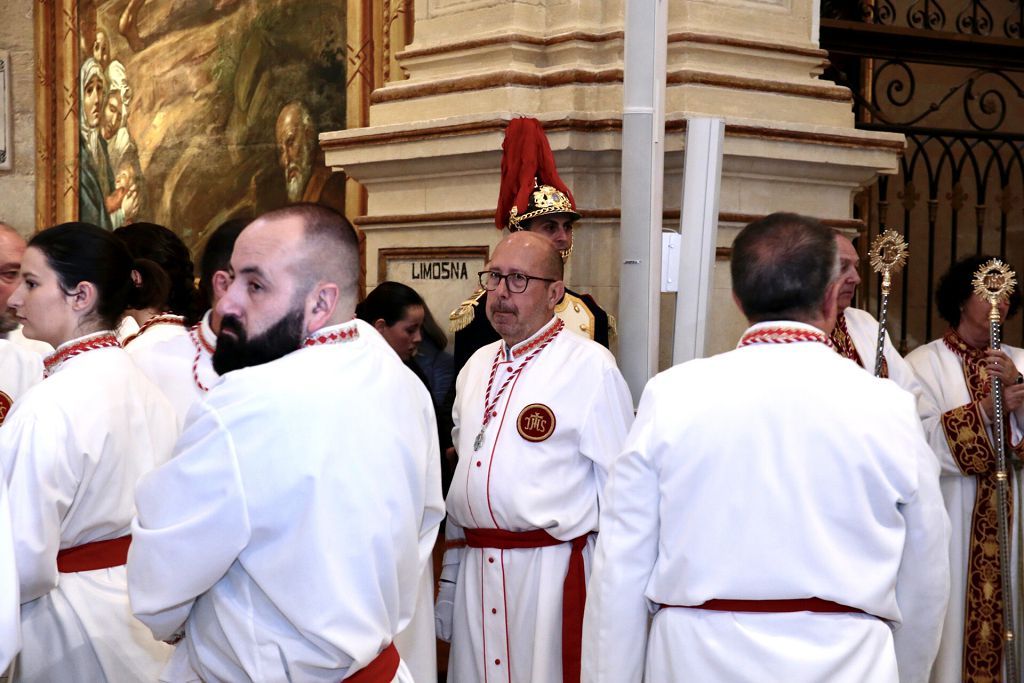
296, 140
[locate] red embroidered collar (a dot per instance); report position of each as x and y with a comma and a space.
99, 340
162, 319
197, 333
537, 345
782, 334
541, 339
960, 347
337, 335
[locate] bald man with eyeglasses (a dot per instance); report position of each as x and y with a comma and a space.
539, 417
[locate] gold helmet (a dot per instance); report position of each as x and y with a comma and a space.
543, 201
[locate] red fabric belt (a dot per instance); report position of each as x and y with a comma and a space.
381, 670
95, 555
795, 605
574, 588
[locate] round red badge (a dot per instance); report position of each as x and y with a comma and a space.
536, 422
5, 405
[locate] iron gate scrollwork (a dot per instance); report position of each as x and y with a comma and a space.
950, 77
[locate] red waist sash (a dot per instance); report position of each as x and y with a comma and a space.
795, 605
95, 555
574, 588
381, 670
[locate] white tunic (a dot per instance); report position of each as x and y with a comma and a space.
20, 369
289, 533
771, 489
508, 603
942, 375
863, 329
178, 361
72, 449
10, 626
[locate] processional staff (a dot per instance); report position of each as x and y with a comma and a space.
888, 255
994, 282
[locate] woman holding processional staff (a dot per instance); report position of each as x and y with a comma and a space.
72, 449
956, 372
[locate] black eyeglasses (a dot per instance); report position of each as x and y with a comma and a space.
516, 282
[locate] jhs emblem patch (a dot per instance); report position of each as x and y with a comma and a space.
5, 405
536, 422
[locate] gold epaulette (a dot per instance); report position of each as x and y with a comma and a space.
464, 314
576, 315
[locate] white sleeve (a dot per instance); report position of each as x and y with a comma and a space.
607, 423
42, 482
901, 373
10, 620
191, 524
923, 581
615, 622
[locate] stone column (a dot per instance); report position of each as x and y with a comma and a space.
429, 159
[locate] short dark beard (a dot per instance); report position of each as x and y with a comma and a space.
8, 323
236, 351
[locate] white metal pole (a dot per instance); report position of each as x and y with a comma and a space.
643, 160
698, 222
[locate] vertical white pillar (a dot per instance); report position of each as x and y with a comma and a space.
698, 222
643, 160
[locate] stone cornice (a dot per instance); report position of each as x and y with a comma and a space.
609, 36
449, 217
402, 91
854, 139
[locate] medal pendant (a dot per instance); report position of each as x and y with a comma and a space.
479, 440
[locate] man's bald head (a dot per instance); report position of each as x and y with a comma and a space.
782, 267
326, 250
516, 316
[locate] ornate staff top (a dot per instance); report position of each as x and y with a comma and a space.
994, 282
889, 254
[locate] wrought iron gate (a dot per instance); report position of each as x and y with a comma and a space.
949, 75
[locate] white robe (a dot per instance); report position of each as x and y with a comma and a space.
10, 626
863, 329
172, 361
72, 450
729, 488
300, 510
20, 369
942, 376
508, 603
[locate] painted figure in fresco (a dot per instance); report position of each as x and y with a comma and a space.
306, 177
101, 48
115, 115
96, 180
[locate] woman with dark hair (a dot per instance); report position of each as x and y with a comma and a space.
396, 311
72, 450
165, 278
956, 372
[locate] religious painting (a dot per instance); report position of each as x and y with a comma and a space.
188, 113
443, 276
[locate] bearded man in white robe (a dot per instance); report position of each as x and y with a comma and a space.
287, 538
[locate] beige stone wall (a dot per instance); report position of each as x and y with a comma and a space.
17, 186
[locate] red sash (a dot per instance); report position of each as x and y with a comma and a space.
381, 670
574, 589
795, 605
95, 555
